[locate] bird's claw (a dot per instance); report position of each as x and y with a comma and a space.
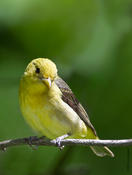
30, 142
59, 139
58, 143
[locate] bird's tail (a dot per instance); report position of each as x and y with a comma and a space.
102, 151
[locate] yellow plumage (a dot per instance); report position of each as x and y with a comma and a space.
43, 107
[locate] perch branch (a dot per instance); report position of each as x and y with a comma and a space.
42, 141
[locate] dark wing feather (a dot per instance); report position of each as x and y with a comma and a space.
69, 98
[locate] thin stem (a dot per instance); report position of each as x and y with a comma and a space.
42, 141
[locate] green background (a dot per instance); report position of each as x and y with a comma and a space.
91, 43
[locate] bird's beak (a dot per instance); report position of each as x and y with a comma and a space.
47, 81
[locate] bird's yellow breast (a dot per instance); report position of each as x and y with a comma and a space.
48, 114
42, 116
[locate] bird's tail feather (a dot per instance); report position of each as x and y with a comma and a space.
102, 151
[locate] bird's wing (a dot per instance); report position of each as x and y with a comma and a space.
69, 98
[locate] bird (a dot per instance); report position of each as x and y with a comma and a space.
50, 107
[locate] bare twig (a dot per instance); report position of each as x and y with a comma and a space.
42, 141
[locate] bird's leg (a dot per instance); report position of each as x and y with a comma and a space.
59, 139
30, 140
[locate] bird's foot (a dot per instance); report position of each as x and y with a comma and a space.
59, 139
58, 143
30, 142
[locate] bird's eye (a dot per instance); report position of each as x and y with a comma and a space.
37, 70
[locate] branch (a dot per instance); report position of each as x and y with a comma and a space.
42, 141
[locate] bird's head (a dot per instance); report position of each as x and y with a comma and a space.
41, 71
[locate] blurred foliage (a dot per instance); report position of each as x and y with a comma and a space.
91, 43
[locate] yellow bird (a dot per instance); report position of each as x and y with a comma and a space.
50, 107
